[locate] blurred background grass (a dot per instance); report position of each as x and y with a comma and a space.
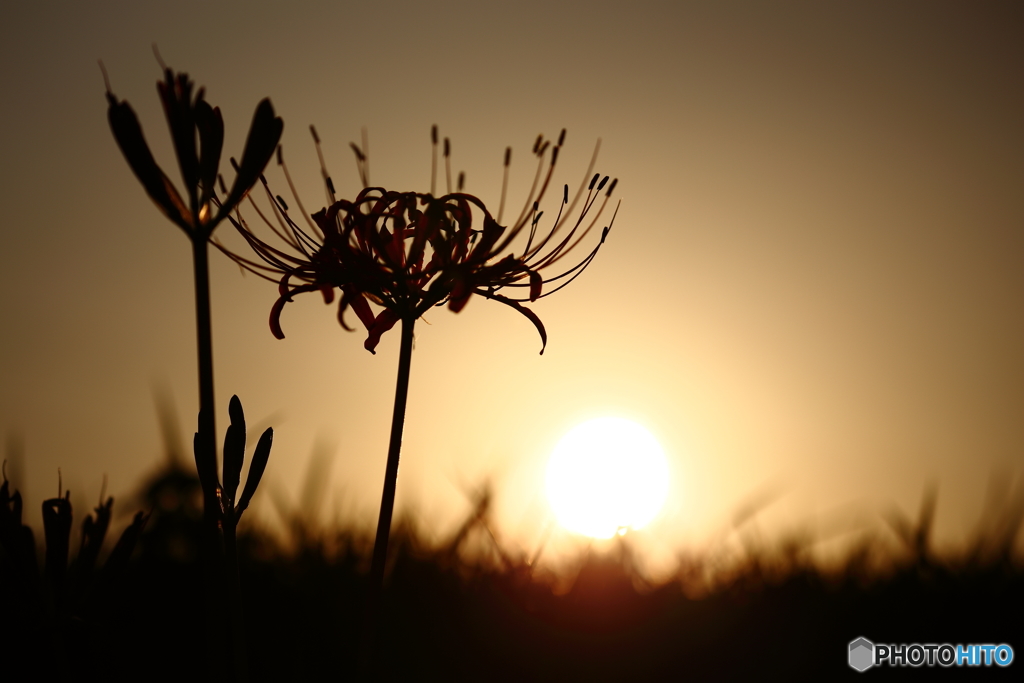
468, 608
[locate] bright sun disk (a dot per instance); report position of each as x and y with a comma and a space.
605, 476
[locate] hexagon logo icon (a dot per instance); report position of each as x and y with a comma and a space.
862, 654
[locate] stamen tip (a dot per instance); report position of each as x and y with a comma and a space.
106, 81
159, 59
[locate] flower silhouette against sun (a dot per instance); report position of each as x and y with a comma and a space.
407, 252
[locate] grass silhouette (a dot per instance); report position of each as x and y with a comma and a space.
453, 614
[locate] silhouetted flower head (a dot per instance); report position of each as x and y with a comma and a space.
409, 251
197, 130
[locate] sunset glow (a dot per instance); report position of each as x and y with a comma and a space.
606, 476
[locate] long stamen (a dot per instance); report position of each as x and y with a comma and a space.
572, 206
251, 266
586, 232
448, 164
519, 224
433, 160
295, 193
275, 257
284, 232
551, 256
504, 183
323, 166
565, 200
539, 151
579, 192
296, 236
580, 267
360, 164
575, 271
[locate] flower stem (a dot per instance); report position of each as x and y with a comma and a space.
387, 502
228, 664
206, 455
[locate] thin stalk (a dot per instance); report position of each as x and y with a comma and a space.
220, 569
206, 455
387, 502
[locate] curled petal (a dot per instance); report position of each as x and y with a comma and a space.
535, 284
525, 311
275, 317
359, 304
459, 299
342, 305
285, 297
385, 320
460, 293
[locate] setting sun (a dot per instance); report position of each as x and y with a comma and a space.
606, 476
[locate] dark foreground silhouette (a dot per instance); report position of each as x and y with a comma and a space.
774, 616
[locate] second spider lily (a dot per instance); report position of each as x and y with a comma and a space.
197, 131
409, 251
192, 120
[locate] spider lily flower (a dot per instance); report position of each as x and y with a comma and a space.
407, 252
191, 120
197, 130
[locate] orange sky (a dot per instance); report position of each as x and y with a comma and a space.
814, 286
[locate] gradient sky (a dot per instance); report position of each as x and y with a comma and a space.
814, 287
